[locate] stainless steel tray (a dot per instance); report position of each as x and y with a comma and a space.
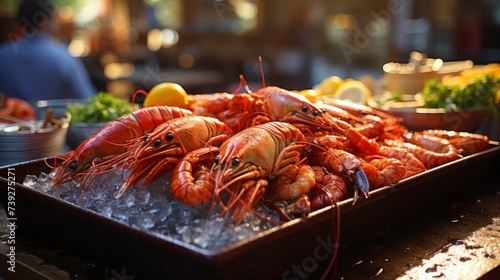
279, 253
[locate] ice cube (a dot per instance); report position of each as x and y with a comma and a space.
121, 213
128, 199
162, 212
85, 199
57, 191
184, 217
143, 220
43, 177
213, 227
200, 238
44, 185
242, 232
30, 181
72, 195
142, 197
105, 209
52, 175
97, 204
185, 233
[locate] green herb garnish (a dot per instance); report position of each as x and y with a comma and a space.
477, 94
102, 107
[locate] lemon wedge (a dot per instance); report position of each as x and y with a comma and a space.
353, 90
329, 86
166, 94
311, 94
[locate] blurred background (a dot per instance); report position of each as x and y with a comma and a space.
205, 45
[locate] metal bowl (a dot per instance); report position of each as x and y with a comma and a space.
58, 105
78, 132
28, 141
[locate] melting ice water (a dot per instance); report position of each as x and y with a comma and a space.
154, 208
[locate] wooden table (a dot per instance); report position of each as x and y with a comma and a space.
459, 239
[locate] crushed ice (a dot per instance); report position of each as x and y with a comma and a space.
155, 209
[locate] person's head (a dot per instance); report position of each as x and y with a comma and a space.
36, 15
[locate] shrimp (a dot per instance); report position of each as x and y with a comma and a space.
467, 143
411, 163
431, 151
249, 159
110, 140
383, 171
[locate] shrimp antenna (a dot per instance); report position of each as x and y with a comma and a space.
262, 72
137, 92
239, 86
244, 81
145, 93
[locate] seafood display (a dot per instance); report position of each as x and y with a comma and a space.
232, 151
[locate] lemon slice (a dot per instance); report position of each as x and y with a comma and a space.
329, 86
311, 94
353, 90
166, 94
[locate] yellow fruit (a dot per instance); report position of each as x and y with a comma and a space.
453, 81
166, 94
311, 94
353, 90
330, 85
492, 69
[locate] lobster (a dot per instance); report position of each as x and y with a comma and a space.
249, 159
111, 140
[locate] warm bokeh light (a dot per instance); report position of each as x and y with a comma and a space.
66, 13
186, 61
108, 57
154, 40
79, 46
89, 11
245, 10
117, 70
343, 21
157, 39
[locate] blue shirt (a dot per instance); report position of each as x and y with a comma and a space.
37, 67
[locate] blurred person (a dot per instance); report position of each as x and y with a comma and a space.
33, 66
